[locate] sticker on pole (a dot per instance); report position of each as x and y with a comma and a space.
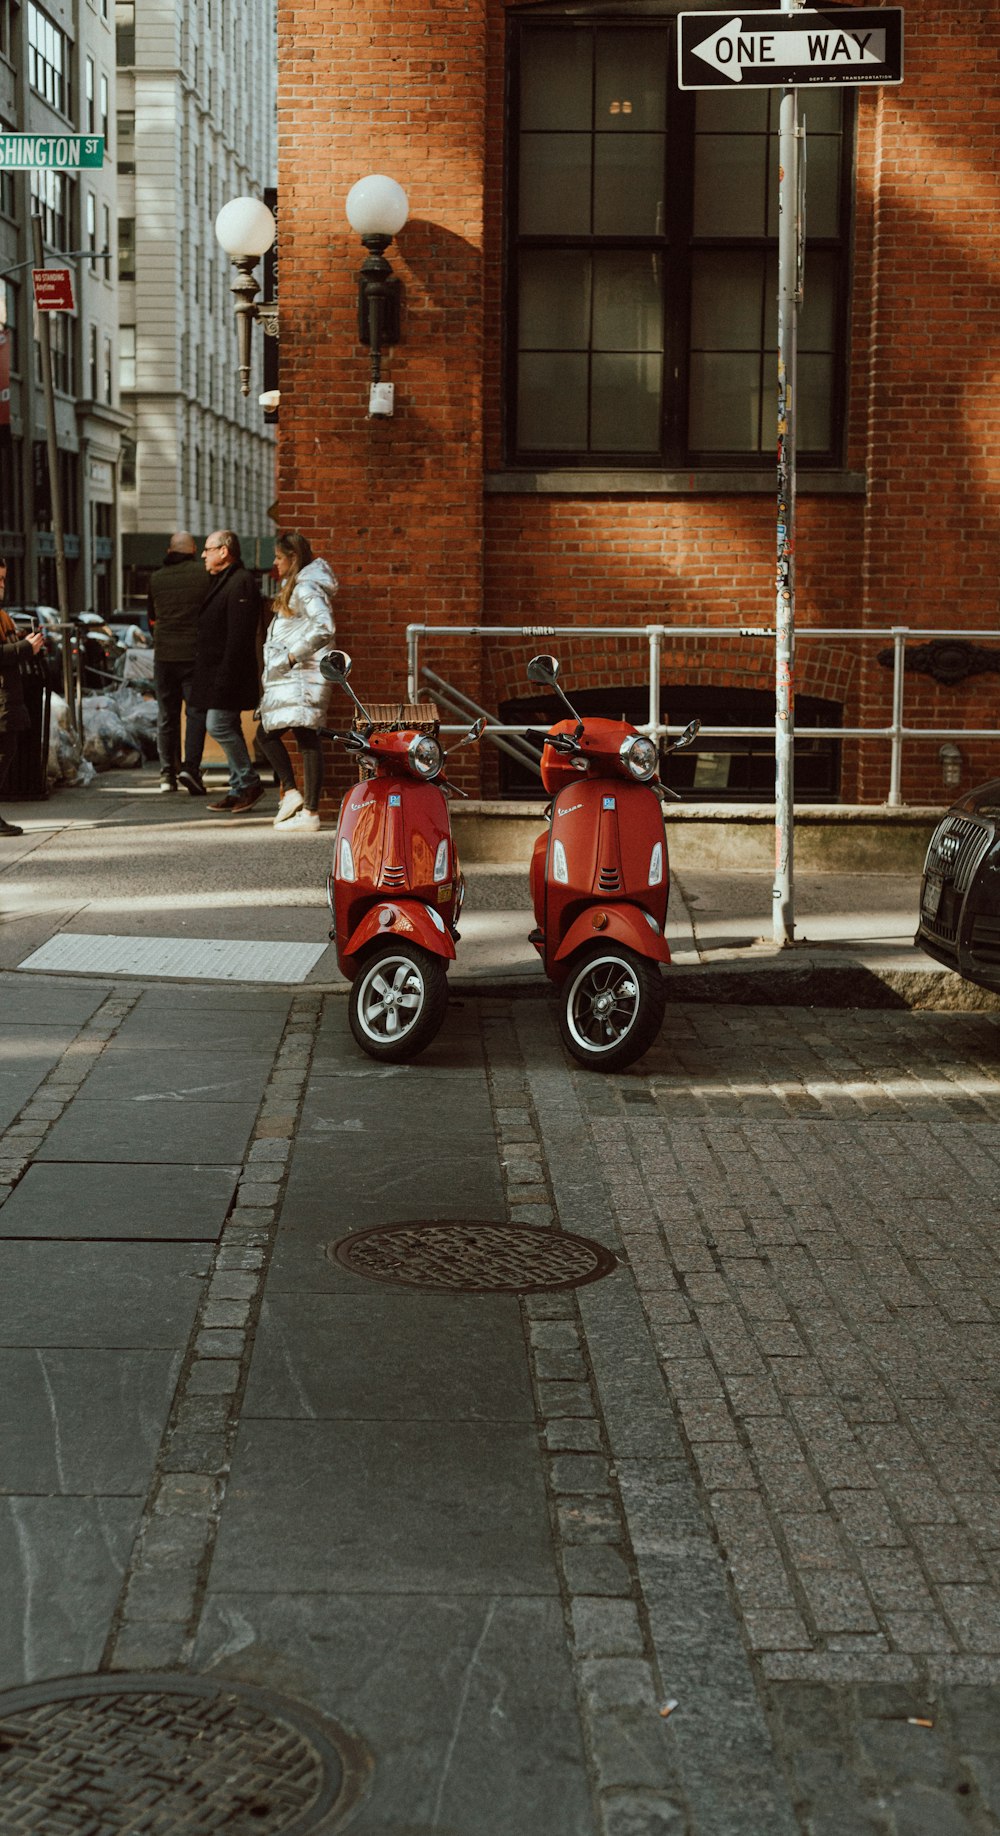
786, 50
53, 289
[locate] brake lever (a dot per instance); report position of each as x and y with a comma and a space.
453, 789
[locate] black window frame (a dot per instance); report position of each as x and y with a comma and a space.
677, 246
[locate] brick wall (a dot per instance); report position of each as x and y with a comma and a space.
399, 505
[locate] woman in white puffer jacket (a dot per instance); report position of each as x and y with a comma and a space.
295, 695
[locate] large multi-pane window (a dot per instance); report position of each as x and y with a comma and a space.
7, 195
124, 32
642, 304
48, 60
62, 344
126, 140
126, 357
52, 200
126, 248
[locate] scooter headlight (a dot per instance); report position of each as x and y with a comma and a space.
425, 756
639, 757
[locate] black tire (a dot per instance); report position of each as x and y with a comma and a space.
398, 1001
612, 1006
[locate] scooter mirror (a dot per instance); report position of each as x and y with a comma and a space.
690, 733
544, 669
478, 728
335, 666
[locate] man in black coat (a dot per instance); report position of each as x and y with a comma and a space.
176, 595
226, 678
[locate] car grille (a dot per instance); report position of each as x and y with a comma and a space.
956, 849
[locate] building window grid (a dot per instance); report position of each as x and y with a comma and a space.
124, 33
126, 248
126, 357
52, 195
48, 60
664, 264
8, 323
125, 139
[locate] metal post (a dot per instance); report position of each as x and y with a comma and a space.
52, 445
895, 796
412, 661
655, 641
784, 651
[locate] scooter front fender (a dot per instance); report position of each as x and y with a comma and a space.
626, 924
402, 920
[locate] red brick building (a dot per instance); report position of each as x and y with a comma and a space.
584, 425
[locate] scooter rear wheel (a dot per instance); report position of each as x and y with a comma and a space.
398, 1001
612, 1007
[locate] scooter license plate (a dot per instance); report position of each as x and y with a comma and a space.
931, 899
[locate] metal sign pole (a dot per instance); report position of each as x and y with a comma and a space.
783, 910
62, 589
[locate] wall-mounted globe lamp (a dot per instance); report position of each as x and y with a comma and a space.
377, 209
246, 229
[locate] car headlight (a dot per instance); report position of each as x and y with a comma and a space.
425, 756
639, 757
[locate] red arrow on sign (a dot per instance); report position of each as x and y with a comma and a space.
53, 289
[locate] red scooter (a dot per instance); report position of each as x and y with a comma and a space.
394, 890
600, 879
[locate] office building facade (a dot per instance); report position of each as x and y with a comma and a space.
194, 127
57, 77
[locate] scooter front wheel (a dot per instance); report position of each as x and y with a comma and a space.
612, 1007
398, 1001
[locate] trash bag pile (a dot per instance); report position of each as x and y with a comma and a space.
118, 729
137, 664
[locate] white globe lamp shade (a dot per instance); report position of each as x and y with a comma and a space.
377, 206
245, 227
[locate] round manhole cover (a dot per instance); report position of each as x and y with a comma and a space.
160, 1755
468, 1258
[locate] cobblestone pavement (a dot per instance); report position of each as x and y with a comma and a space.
808, 1204
745, 1567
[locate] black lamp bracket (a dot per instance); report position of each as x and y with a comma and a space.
379, 293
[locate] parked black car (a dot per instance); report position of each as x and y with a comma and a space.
960, 891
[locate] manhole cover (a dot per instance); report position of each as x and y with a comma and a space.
474, 1258
160, 1755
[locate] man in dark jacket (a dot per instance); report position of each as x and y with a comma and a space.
176, 594
226, 675
14, 650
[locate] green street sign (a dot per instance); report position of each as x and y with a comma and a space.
60, 152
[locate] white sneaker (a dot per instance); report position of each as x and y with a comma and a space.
290, 802
304, 822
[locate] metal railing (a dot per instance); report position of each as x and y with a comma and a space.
655, 636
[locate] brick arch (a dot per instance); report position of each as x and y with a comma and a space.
829, 670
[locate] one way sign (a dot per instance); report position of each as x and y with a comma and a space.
783, 50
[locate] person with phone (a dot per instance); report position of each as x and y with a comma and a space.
13, 707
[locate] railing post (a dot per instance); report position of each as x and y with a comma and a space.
895, 798
412, 641
655, 640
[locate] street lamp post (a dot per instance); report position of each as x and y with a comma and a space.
246, 229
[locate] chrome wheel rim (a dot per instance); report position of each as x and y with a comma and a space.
391, 998
602, 1004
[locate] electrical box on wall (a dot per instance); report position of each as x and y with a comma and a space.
380, 400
